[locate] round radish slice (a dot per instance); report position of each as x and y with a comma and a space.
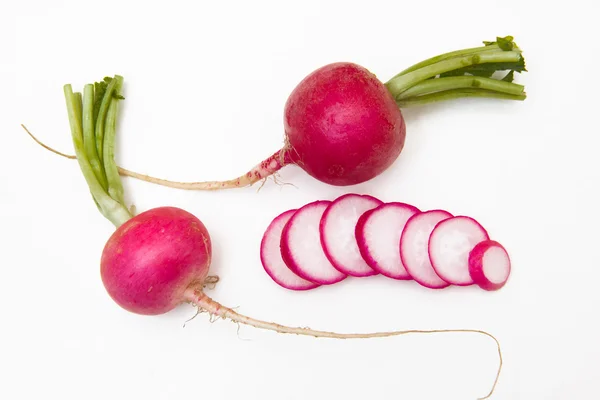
449, 246
338, 238
301, 246
414, 247
270, 256
489, 265
378, 234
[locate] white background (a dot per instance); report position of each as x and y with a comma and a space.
205, 87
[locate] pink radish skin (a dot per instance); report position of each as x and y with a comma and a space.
378, 233
150, 260
301, 246
450, 243
414, 248
489, 265
270, 256
338, 233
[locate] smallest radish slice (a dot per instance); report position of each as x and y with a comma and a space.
489, 265
378, 234
270, 256
450, 243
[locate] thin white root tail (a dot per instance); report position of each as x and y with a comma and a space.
215, 309
259, 172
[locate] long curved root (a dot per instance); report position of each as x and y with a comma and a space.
202, 301
259, 172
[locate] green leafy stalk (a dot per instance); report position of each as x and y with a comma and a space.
453, 94
89, 139
100, 110
462, 73
113, 210
458, 82
115, 187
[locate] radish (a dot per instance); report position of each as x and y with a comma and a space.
414, 247
378, 233
301, 246
272, 261
337, 231
343, 126
489, 265
450, 243
160, 258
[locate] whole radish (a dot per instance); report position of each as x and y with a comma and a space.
160, 258
343, 126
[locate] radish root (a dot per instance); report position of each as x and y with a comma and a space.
205, 303
259, 172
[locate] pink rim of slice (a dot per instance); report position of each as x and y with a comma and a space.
378, 233
301, 245
414, 245
450, 243
270, 256
338, 238
489, 265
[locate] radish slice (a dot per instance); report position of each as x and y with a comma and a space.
270, 256
338, 238
414, 247
489, 265
449, 246
378, 234
301, 246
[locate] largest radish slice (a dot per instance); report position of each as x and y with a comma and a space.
270, 256
449, 246
414, 245
338, 238
378, 234
301, 245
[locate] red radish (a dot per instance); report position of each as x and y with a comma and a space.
343, 126
270, 256
161, 257
301, 246
450, 243
489, 265
414, 247
338, 237
378, 233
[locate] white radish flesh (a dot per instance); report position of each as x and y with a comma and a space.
301, 246
338, 237
489, 265
270, 256
378, 233
414, 247
449, 246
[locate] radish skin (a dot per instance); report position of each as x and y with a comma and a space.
489, 265
272, 261
378, 233
301, 246
338, 233
450, 243
414, 248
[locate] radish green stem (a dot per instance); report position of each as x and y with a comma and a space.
447, 56
402, 83
462, 82
114, 211
456, 94
89, 140
102, 89
115, 186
